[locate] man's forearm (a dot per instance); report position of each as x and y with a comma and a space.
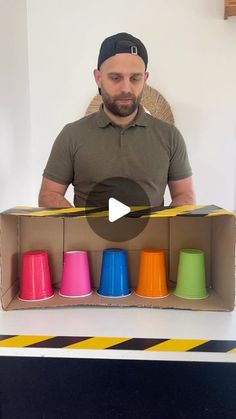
53, 200
182, 192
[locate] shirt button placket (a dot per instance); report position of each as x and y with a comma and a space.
121, 137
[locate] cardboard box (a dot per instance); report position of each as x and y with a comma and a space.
211, 229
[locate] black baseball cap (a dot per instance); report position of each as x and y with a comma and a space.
122, 43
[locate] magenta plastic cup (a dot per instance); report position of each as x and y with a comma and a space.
76, 280
35, 276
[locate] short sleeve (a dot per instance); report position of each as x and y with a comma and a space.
59, 167
179, 162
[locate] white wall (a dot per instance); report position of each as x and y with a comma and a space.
15, 166
192, 63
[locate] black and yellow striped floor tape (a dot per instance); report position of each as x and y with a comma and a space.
104, 342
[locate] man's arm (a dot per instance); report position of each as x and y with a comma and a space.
51, 195
182, 192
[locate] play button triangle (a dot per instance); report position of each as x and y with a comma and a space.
116, 209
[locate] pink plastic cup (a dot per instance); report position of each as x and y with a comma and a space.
75, 281
35, 276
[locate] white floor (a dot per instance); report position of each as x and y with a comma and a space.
120, 322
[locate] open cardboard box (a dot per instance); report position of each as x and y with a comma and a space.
211, 229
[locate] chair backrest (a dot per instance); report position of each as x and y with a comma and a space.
152, 101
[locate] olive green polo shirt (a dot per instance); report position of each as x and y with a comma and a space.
148, 151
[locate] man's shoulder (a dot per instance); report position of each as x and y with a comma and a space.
163, 131
82, 123
158, 123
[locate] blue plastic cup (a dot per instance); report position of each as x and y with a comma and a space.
114, 274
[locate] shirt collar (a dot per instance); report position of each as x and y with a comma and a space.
103, 119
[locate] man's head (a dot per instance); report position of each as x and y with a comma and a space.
121, 73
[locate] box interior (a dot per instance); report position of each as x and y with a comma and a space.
215, 235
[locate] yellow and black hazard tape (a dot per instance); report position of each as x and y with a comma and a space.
118, 343
138, 211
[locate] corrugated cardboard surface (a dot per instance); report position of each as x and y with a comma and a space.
215, 235
212, 303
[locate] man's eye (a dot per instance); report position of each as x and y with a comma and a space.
136, 78
115, 78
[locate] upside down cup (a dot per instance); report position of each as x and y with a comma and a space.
114, 274
152, 282
76, 280
35, 276
191, 281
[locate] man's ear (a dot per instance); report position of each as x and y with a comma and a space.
146, 75
97, 76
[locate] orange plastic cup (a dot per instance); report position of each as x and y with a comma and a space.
152, 274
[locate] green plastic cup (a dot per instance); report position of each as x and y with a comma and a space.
191, 280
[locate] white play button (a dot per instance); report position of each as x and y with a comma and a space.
112, 194
116, 209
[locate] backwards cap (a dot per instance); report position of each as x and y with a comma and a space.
122, 43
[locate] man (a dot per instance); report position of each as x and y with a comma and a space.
121, 140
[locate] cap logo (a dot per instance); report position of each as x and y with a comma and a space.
134, 50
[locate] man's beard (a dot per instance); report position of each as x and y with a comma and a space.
119, 109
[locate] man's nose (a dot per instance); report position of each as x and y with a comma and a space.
126, 86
